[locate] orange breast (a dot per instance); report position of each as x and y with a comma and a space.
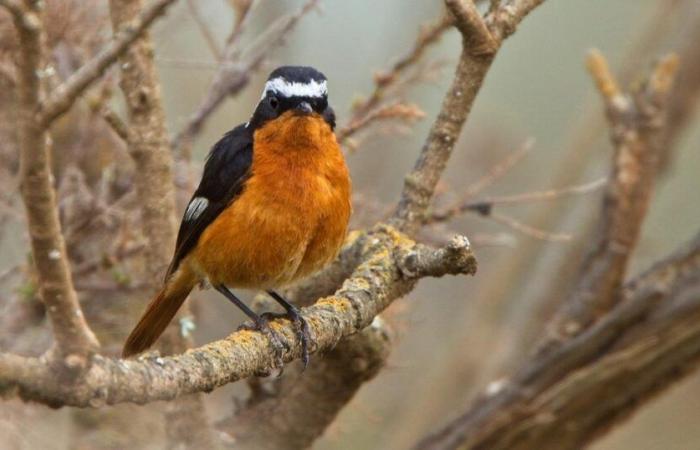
292, 216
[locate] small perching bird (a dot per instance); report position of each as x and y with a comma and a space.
271, 208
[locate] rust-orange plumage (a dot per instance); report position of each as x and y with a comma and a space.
272, 207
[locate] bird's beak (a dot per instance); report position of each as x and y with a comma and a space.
304, 108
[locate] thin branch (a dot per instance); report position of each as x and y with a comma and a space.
203, 27
74, 339
505, 19
501, 168
374, 108
485, 206
243, 10
116, 123
428, 35
235, 70
393, 111
477, 36
478, 53
549, 194
529, 230
636, 121
373, 285
683, 103
63, 97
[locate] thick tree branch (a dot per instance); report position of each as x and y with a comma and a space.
565, 399
149, 143
63, 97
283, 419
419, 184
74, 339
150, 149
605, 314
476, 48
373, 285
637, 123
516, 271
365, 353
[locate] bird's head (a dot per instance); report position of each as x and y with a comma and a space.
294, 96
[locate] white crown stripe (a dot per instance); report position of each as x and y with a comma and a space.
286, 88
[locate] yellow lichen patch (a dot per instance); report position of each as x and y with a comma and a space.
334, 302
398, 239
245, 337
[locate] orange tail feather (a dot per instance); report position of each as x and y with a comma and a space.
159, 313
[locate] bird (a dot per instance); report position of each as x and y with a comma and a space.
272, 207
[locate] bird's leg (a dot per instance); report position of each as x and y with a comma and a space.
260, 323
301, 326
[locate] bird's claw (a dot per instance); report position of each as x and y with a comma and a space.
278, 345
301, 328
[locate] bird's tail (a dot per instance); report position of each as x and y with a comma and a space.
160, 312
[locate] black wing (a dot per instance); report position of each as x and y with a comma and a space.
225, 172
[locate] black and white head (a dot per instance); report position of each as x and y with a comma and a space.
300, 90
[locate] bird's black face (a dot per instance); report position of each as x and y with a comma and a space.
301, 90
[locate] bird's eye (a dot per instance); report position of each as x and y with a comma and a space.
274, 102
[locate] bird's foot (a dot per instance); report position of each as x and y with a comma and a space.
300, 326
262, 325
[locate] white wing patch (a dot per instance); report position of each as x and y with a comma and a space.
286, 88
196, 208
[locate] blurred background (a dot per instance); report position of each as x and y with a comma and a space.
455, 335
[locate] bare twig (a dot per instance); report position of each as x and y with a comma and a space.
637, 125
375, 107
485, 206
501, 168
549, 194
383, 81
529, 230
204, 30
74, 339
479, 49
393, 111
685, 94
61, 99
117, 124
235, 70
